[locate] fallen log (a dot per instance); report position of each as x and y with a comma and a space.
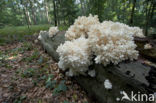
126, 76
146, 53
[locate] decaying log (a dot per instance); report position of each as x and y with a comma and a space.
126, 76
146, 53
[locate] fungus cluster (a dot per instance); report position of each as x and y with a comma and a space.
147, 46
111, 43
81, 27
75, 55
53, 31
89, 41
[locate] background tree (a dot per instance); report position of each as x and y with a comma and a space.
63, 12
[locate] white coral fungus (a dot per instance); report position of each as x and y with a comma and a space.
136, 31
39, 37
116, 26
107, 84
111, 43
74, 55
81, 27
147, 46
53, 31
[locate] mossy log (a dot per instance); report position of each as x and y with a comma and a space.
126, 76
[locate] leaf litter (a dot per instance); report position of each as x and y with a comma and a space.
29, 75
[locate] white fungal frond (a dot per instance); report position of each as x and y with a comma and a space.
109, 42
75, 55
81, 27
53, 31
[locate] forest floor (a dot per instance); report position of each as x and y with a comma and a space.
9, 34
29, 75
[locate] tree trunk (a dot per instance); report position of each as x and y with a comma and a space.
132, 13
29, 18
47, 11
98, 10
85, 7
54, 7
82, 7
148, 13
57, 13
33, 12
25, 15
153, 8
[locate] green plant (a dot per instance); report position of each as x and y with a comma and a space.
20, 99
50, 83
63, 27
66, 101
40, 60
27, 46
60, 88
28, 72
10, 34
34, 56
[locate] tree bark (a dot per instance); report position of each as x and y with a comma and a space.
132, 13
33, 12
54, 7
153, 8
25, 15
29, 18
148, 16
57, 12
47, 12
82, 7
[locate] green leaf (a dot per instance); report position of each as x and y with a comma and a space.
28, 72
43, 77
51, 84
40, 60
66, 102
60, 88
